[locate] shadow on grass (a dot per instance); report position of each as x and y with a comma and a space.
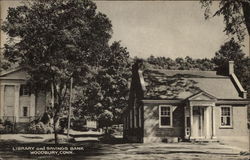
110, 139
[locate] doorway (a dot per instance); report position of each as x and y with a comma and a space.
198, 121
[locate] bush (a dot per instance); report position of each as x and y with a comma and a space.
45, 118
7, 123
37, 128
63, 123
2, 129
8, 126
40, 128
49, 130
79, 125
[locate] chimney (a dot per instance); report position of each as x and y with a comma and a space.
230, 67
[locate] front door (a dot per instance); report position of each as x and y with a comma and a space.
198, 122
9, 102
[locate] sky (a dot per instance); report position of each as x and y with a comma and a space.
160, 28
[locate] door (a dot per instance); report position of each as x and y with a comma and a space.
198, 121
9, 102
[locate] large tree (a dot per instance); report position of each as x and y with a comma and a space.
106, 93
230, 51
236, 14
56, 40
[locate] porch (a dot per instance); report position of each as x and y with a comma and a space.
200, 118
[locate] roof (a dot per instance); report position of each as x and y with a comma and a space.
10, 70
181, 84
15, 73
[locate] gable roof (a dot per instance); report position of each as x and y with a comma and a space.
9, 71
16, 73
182, 84
202, 96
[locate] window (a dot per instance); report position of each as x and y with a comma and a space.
226, 116
165, 116
25, 111
24, 90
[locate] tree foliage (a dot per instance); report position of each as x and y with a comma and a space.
56, 40
106, 93
236, 15
230, 51
179, 63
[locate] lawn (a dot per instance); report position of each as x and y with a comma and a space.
96, 150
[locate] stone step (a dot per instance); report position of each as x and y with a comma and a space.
198, 140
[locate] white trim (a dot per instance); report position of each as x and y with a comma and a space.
143, 85
231, 116
171, 116
17, 101
206, 94
2, 88
6, 72
242, 91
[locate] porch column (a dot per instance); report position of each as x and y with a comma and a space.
191, 121
32, 104
213, 121
16, 108
207, 122
2, 100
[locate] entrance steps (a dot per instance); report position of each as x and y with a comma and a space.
203, 140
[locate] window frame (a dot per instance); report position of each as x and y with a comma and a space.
24, 90
171, 116
231, 116
27, 111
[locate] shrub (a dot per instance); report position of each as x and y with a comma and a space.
2, 128
63, 123
49, 130
8, 126
7, 123
79, 125
45, 118
40, 128
37, 128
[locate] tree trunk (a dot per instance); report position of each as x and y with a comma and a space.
55, 129
246, 12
